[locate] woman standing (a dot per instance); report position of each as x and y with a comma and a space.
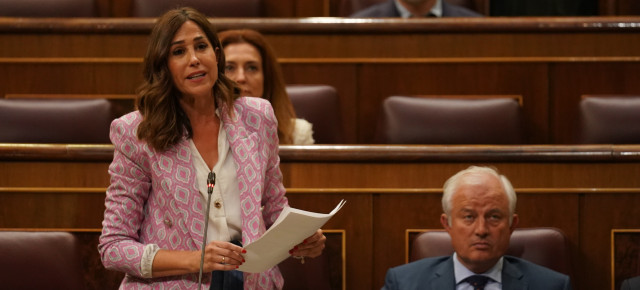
190, 125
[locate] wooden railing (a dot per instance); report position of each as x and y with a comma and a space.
549, 62
587, 191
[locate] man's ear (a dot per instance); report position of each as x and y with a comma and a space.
444, 221
514, 222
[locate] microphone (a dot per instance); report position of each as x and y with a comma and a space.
211, 182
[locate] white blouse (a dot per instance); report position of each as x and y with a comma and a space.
225, 218
302, 132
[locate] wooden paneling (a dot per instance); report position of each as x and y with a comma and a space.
584, 190
89, 44
550, 62
343, 38
569, 81
306, 8
79, 76
340, 76
97, 277
600, 214
626, 7
344, 8
427, 44
418, 175
51, 207
279, 8
550, 89
625, 255
379, 81
358, 231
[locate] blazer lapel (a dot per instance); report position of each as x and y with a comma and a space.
512, 277
443, 277
243, 148
176, 166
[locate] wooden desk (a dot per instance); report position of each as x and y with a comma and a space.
548, 61
584, 190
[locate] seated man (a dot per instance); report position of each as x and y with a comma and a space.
631, 284
479, 207
415, 8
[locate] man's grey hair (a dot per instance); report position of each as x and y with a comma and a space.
451, 186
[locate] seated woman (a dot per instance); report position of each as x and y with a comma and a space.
253, 65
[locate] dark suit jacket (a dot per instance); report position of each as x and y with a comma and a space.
388, 9
631, 284
437, 274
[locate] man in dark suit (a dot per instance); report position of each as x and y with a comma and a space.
479, 206
415, 8
631, 284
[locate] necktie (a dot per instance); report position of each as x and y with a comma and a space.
477, 281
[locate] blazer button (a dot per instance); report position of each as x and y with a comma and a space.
168, 222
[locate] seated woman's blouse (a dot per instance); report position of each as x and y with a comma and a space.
302, 132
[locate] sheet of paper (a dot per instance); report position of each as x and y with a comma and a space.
291, 228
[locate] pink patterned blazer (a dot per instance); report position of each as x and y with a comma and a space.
152, 198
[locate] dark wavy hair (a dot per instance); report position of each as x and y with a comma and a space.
274, 88
164, 122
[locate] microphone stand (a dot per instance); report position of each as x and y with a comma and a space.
211, 182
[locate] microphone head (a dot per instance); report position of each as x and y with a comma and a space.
211, 181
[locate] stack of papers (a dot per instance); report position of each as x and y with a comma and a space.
290, 229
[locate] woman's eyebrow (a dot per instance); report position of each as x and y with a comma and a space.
182, 41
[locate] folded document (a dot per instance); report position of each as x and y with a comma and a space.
291, 228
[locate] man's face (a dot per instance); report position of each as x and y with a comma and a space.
479, 229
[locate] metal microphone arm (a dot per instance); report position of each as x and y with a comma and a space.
211, 182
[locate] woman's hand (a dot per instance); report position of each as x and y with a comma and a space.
310, 247
218, 255
223, 256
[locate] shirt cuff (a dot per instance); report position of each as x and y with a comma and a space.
146, 266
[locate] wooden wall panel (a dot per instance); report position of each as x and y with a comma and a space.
600, 214
626, 7
569, 81
340, 76
111, 76
120, 8
584, 190
394, 214
344, 38
401, 44
279, 8
550, 89
355, 218
76, 45
379, 81
344, 8
433, 175
560, 209
435, 44
54, 174
97, 277
549, 61
317, 8
51, 207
